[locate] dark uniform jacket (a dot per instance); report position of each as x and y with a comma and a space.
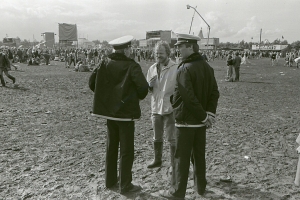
196, 92
118, 84
237, 61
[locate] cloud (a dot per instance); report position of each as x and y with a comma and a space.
219, 25
251, 29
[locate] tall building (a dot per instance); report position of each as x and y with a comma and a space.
49, 39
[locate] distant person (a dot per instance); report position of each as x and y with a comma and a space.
229, 62
138, 54
47, 56
291, 59
277, 57
236, 65
11, 58
204, 56
297, 178
72, 58
66, 55
161, 77
96, 56
245, 59
34, 61
273, 58
297, 61
118, 87
4, 68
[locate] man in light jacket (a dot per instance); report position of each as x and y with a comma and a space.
161, 77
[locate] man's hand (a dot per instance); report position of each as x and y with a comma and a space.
209, 122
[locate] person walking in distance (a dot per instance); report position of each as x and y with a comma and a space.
11, 58
118, 86
194, 102
5, 67
161, 77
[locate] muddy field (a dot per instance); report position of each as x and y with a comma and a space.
51, 148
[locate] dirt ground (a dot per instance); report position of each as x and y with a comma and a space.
51, 147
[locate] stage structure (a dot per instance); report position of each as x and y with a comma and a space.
11, 42
152, 37
67, 34
49, 39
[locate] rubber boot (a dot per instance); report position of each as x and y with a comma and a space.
158, 147
172, 154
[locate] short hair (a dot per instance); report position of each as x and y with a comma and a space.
195, 46
163, 44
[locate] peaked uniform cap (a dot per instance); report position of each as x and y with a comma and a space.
186, 38
122, 42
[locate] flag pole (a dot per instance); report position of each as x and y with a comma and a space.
259, 39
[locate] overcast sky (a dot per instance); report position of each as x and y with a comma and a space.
230, 20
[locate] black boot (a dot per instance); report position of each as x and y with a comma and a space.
158, 147
2, 81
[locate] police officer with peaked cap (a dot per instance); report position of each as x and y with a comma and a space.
194, 102
118, 86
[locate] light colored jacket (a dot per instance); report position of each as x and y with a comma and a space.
163, 88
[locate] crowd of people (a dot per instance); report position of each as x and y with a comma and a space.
92, 56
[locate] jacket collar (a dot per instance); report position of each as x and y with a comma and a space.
119, 57
191, 58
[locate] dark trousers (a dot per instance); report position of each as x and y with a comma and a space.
237, 73
47, 60
119, 132
72, 61
7, 74
190, 144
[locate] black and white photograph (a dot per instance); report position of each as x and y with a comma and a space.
149, 100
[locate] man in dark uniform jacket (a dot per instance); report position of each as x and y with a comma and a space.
237, 64
119, 85
194, 102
